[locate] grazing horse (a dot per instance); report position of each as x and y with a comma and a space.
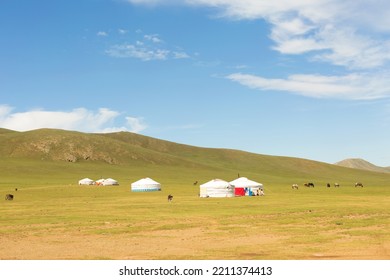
358, 184
9, 197
336, 185
328, 185
195, 183
170, 197
294, 186
310, 184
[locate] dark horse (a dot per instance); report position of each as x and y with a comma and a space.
170, 197
358, 184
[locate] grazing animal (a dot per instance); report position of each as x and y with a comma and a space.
358, 184
310, 184
195, 183
9, 197
328, 185
16, 189
294, 186
170, 198
336, 185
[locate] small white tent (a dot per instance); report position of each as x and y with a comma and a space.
216, 188
86, 181
110, 182
145, 185
250, 187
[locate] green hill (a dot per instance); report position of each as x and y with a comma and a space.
47, 155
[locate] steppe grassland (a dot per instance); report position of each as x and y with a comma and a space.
54, 218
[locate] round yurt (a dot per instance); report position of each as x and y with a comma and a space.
110, 182
216, 188
145, 185
244, 186
86, 181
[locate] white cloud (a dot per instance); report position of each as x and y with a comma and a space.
122, 31
180, 55
136, 124
102, 34
79, 119
153, 38
352, 86
147, 49
352, 34
138, 51
349, 33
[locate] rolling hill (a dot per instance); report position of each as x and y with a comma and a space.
362, 164
49, 155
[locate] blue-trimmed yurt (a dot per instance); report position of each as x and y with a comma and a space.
145, 185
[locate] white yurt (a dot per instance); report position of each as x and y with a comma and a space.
145, 185
216, 188
110, 182
248, 186
86, 181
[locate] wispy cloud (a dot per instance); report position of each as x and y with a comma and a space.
153, 38
345, 33
102, 34
79, 119
149, 47
180, 55
350, 34
351, 86
122, 31
137, 51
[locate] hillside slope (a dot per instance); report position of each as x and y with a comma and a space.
362, 164
67, 154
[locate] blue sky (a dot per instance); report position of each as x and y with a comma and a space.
300, 78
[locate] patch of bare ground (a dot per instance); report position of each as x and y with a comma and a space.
189, 243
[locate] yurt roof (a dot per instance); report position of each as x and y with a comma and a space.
146, 181
245, 182
215, 183
110, 179
86, 179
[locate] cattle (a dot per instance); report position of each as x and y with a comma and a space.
9, 197
336, 185
170, 198
358, 184
294, 186
310, 184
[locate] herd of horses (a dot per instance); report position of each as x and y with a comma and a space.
311, 185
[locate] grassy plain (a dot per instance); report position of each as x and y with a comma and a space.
54, 218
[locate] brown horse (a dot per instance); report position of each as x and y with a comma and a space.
358, 184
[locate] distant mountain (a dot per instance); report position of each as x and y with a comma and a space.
359, 163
